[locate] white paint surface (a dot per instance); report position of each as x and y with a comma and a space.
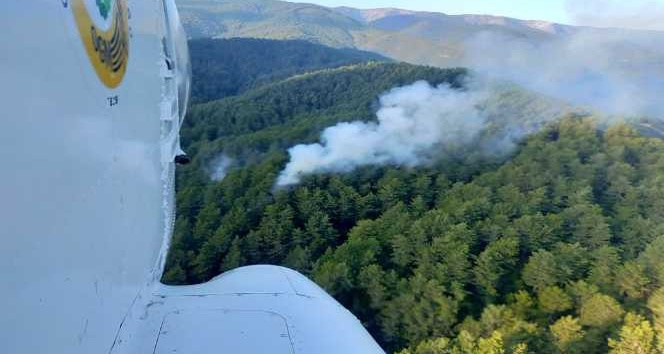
86, 212
254, 308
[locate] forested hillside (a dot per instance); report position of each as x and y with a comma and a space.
227, 67
268, 120
557, 248
266, 19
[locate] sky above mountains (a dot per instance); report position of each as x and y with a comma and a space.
641, 14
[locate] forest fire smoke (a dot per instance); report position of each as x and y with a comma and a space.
615, 72
219, 167
413, 123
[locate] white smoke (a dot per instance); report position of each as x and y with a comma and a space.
219, 167
414, 122
615, 72
635, 14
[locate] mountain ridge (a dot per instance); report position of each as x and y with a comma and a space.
368, 16
228, 67
424, 38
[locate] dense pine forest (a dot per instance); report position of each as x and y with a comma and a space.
557, 247
228, 67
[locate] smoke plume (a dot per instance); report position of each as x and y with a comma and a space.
219, 167
414, 124
635, 14
618, 73
614, 71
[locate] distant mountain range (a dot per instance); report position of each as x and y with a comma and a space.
417, 37
419, 23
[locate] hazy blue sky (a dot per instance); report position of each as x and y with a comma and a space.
585, 12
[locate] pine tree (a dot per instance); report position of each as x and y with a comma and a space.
495, 263
541, 270
566, 332
553, 300
636, 337
631, 280
234, 257
605, 263
600, 311
652, 261
656, 306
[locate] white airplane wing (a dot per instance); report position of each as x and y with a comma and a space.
257, 309
93, 93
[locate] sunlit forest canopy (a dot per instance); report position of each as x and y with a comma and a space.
556, 247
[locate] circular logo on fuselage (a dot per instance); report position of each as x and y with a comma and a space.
104, 29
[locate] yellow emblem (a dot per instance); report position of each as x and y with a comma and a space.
107, 49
